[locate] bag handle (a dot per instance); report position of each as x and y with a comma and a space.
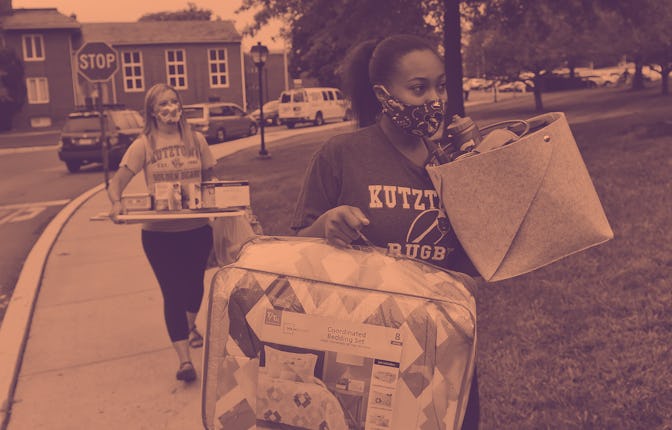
508, 124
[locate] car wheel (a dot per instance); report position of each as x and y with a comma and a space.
319, 120
274, 120
221, 135
73, 166
253, 129
290, 125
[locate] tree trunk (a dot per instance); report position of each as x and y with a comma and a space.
452, 44
538, 104
638, 78
664, 77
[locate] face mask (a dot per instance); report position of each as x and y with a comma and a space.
169, 114
419, 120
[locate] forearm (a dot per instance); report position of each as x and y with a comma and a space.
316, 229
117, 184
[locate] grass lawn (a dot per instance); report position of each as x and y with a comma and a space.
585, 343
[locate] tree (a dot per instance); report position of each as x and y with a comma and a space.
321, 31
191, 13
452, 44
643, 31
533, 36
12, 87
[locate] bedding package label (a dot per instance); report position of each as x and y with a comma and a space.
359, 362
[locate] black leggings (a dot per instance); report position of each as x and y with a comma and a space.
179, 261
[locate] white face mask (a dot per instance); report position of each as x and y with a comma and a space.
169, 114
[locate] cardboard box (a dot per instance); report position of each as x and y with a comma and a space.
137, 202
225, 194
195, 196
167, 196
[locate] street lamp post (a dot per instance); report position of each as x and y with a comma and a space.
259, 55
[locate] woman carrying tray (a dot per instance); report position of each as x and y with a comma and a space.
168, 151
372, 183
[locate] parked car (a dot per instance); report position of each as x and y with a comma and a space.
314, 105
479, 83
219, 121
80, 141
553, 82
515, 86
270, 113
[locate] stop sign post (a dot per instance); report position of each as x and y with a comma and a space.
97, 62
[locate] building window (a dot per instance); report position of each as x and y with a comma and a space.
218, 68
176, 68
132, 71
33, 47
38, 90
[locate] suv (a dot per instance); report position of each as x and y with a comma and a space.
80, 142
219, 121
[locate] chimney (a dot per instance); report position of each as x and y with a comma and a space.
5, 7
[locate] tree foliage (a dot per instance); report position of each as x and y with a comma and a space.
321, 31
516, 36
190, 13
12, 87
643, 31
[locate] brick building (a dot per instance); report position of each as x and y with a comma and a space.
42, 39
204, 60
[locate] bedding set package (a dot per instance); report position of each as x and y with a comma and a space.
304, 335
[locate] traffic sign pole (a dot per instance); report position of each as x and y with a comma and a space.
104, 143
97, 63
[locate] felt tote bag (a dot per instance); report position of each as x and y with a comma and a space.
524, 205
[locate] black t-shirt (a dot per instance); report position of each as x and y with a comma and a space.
363, 169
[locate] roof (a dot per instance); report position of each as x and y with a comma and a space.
161, 32
38, 19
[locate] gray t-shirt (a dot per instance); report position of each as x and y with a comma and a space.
364, 170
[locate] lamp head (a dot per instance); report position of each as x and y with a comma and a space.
259, 54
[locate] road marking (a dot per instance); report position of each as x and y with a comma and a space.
26, 205
26, 211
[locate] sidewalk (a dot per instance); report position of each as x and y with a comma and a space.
97, 354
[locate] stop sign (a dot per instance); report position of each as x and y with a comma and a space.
97, 61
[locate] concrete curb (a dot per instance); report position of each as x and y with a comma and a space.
16, 323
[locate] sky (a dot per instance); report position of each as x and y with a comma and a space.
131, 10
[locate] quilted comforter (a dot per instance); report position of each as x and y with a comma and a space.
434, 310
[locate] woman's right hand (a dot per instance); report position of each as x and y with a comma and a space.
341, 225
116, 210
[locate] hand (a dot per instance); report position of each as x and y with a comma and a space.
116, 210
342, 224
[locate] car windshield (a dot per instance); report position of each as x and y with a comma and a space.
82, 123
193, 112
285, 98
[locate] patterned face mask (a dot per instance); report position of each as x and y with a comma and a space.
419, 120
169, 114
